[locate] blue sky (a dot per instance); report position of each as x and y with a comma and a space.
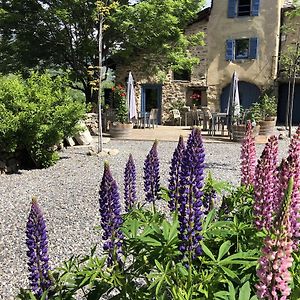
208, 2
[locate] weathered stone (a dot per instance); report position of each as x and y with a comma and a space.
3, 168
84, 137
69, 141
92, 151
113, 152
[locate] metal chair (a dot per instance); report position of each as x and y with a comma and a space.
207, 119
176, 116
153, 117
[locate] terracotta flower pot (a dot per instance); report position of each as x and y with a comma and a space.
117, 130
267, 127
238, 132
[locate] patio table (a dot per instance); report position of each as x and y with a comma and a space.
218, 119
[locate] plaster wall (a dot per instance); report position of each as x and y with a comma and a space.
261, 71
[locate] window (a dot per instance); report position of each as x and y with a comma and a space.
240, 8
182, 75
241, 49
244, 8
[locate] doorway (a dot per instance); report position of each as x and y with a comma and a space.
151, 98
249, 93
282, 99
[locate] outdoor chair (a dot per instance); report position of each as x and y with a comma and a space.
176, 116
153, 117
142, 119
207, 119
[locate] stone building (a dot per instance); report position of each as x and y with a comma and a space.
290, 46
241, 36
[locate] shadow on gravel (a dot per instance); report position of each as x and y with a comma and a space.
222, 166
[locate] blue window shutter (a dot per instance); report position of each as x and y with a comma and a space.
253, 48
230, 50
255, 7
231, 8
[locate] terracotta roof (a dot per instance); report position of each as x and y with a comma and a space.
202, 15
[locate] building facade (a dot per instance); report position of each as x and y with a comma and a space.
241, 36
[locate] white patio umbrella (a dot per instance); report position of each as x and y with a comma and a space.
132, 113
233, 105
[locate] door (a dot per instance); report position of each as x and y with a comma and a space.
151, 98
249, 93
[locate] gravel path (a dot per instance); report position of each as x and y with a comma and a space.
67, 193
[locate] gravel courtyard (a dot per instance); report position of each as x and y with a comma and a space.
68, 195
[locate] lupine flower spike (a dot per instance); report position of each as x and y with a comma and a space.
291, 168
37, 253
151, 175
266, 201
190, 200
273, 272
130, 184
110, 211
175, 168
248, 157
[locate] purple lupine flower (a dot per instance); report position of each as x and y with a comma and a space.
273, 272
248, 157
110, 212
175, 168
190, 200
151, 175
130, 184
266, 200
37, 243
291, 168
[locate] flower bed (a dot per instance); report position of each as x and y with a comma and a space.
241, 244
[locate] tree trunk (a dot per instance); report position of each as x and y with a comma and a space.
287, 122
293, 91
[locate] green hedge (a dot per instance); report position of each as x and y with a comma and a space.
36, 114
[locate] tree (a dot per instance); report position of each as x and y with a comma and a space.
290, 60
63, 35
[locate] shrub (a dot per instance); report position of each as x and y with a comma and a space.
36, 114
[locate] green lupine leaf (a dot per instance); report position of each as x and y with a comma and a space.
207, 251
245, 291
221, 295
151, 241
231, 291
229, 273
223, 250
208, 219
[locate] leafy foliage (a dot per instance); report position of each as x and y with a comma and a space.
119, 95
36, 114
65, 35
153, 269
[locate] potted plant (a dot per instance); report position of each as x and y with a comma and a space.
239, 125
268, 107
121, 126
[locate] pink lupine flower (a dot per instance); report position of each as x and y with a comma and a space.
273, 272
248, 157
266, 201
291, 168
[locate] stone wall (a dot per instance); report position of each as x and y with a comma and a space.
173, 91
